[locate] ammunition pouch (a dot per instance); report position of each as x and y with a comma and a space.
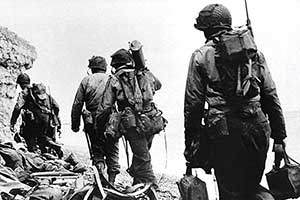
250, 111
237, 45
87, 120
216, 123
146, 123
112, 127
128, 120
151, 122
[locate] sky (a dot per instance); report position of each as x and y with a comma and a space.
67, 33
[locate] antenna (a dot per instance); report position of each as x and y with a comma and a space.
248, 23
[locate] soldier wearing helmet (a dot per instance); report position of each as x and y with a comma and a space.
23, 80
130, 91
89, 93
243, 111
36, 107
213, 19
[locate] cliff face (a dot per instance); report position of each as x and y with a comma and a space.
16, 55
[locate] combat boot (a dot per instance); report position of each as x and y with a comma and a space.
57, 148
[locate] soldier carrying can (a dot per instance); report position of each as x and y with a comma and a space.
243, 106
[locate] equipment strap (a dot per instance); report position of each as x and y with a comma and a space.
166, 149
125, 143
288, 159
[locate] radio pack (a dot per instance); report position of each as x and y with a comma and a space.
237, 45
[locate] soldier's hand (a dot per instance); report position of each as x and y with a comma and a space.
75, 129
279, 150
187, 153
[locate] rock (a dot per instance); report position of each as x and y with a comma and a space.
16, 55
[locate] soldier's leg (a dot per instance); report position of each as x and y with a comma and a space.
53, 145
52, 133
97, 145
29, 135
111, 148
229, 161
239, 158
42, 143
149, 140
30, 142
262, 194
141, 167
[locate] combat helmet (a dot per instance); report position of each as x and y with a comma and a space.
120, 58
23, 78
97, 62
213, 16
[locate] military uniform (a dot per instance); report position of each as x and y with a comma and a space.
90, 92
238, 126
122, 89
38, 109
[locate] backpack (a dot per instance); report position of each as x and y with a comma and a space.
238, 48
147, 122
237, 45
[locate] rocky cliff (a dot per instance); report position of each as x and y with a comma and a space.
16, 55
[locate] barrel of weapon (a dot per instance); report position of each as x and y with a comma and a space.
137, 54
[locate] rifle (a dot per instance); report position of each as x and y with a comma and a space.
248, 22
63, 175
88, 126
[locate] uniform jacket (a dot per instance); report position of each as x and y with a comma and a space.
40, 108
213, 80
90, 92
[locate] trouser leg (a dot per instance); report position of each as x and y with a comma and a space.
53, 145
30, 142
42, 143
111, 148
149, 140
29, 134
97, 144
239, 159
141, 167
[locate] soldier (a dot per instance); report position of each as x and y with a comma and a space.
23, 80
133, 94
90, 92
39, 109
243, 110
